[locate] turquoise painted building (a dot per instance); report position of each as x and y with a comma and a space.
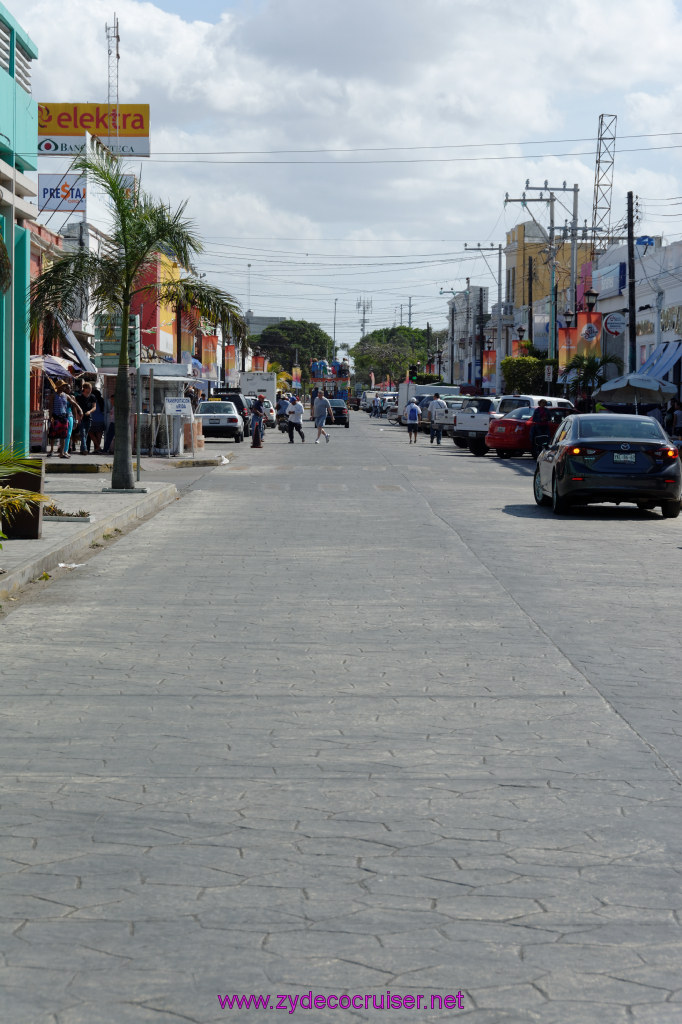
18, 154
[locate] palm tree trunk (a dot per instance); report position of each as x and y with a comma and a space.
122, 472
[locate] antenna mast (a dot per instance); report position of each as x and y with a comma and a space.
603, 182
363, 306
113, 40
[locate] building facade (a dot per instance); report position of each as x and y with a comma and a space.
18, 154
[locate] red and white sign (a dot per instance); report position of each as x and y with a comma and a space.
615, 324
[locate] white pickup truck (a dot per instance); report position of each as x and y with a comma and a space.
472, 423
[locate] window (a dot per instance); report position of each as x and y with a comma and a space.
22, 68
5, 47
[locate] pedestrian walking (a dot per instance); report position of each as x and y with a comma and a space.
376, 407
313, 396
413, 415
321, 409
436, 405
295, 419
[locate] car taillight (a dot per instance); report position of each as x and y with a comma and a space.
672, 453
232, 419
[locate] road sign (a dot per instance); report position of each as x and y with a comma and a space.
178, 407
614, 324
549, 373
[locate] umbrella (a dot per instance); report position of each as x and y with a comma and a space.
53, 366
636, 387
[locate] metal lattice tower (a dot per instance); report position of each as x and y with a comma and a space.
603, 182
113, 40
363, 306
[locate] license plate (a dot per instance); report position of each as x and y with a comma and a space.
214, 419
628, 457
472, 433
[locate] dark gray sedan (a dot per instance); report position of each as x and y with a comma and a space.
606, 457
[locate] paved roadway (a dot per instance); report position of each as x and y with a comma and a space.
349, 718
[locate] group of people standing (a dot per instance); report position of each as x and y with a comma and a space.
80, 416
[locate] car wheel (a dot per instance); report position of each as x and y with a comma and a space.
538, 493
478, 448
502, 453
560, 506
670, 509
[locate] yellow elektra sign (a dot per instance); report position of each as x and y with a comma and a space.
62, 126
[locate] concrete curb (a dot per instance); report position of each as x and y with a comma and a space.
68, 550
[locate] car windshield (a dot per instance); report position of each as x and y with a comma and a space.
337, 403
214, 408
634, 427
524, 413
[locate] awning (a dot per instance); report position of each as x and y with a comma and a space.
72, 340
111, 371
666, 362
649, 363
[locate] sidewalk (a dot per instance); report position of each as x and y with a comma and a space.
78, 484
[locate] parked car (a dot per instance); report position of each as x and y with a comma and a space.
220, 419
339, 414
354, 402
243, 406
473, 423
609, 457
510, 437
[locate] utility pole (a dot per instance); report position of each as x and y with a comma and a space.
334, 356
409, 312
632, 319
498, 319
573, 233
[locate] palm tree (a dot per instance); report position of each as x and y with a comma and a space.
589, 372
142, 227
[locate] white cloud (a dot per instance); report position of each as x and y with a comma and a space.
353, 74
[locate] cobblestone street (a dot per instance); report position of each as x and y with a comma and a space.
349, 718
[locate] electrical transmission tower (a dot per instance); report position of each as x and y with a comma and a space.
113, 40
603, 182
364, 306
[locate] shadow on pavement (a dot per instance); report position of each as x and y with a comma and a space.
592, 513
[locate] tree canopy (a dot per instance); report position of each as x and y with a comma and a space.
389, 351
284, 340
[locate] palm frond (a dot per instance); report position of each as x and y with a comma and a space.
207, 300
14, 500
12, 461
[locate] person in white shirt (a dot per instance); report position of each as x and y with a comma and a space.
295, 414
436, 428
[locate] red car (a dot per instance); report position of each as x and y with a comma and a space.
510, 436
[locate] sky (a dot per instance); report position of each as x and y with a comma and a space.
337, 152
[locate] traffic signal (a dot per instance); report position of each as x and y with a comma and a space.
413, 374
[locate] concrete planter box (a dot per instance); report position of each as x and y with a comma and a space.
26, 525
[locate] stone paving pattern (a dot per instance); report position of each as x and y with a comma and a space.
349, 718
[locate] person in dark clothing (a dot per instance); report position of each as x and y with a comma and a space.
88, 405
540, 422
257, 414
